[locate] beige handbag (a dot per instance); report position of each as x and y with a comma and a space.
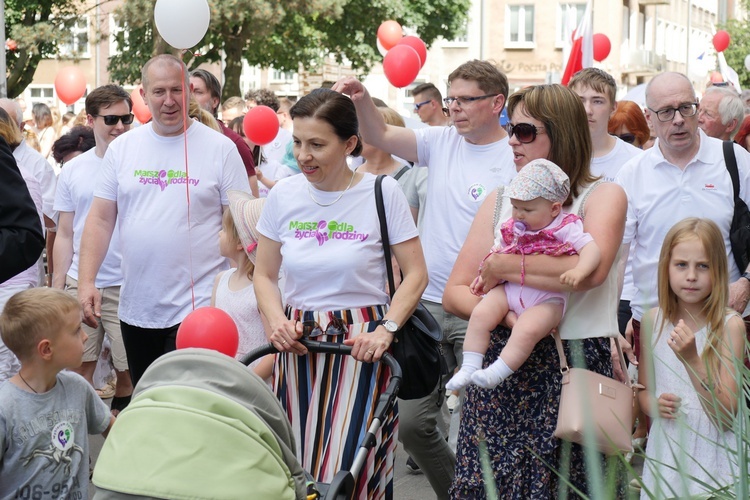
594, 408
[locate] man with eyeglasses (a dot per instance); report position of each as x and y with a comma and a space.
428, 104
721, 112
683, 175
465, 162
108, 113
165, 185
597, 90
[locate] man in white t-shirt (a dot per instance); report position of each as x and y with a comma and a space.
597, 89
165, 184
466, 162
109, 114
683, 175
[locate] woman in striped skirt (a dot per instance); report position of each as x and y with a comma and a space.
323, 226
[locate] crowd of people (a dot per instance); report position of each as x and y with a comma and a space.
602, 220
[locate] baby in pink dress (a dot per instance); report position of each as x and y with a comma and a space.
538, 226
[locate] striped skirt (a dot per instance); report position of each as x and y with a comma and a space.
329, 400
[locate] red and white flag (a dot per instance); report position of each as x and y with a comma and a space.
582, 53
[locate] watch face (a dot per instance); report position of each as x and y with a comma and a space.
390, 325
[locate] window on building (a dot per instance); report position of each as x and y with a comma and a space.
76, 43
116, 31
568, 17
40, 93
281, 76
519, 26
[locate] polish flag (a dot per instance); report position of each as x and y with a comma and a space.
582, 53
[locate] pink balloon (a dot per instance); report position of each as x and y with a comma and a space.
401, 65
417, 44
209, 328
602, 46
140, 109
261, 125
721, 41
389, 33
70, 84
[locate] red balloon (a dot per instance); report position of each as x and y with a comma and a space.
417, 44
401, 65
209, 328
602, 46
721, 41
389, 33
70, 84
261, 125
140, 109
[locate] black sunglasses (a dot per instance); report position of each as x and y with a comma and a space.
524, 132
629, 138
335, 327
110, 120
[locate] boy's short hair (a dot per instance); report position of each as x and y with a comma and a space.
596, 79
32, 316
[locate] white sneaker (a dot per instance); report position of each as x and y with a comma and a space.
452, 402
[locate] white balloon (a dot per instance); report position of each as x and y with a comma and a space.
747, 62
182, 23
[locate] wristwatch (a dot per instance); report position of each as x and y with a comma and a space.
389, 325
746, 275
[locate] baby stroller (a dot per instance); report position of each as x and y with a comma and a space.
201, 425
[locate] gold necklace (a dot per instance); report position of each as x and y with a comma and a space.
309, 191
27, 384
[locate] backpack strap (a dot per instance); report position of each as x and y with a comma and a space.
731, 162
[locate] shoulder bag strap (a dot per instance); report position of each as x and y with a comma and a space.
498, 207
564, 362
384, 233
401, 172
731, 163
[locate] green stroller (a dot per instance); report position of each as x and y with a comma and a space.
201, 426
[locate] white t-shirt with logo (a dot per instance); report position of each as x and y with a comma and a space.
333, 256
75, 192
146, 175
460, 177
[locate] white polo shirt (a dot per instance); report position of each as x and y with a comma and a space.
661, 194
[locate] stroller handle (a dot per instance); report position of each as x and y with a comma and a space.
326, 348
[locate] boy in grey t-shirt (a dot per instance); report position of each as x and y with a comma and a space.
46, 414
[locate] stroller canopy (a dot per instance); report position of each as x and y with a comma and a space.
200, 426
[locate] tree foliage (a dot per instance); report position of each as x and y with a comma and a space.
739, 48
39, 29
285, 34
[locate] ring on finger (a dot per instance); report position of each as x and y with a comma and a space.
370, 352
283, 342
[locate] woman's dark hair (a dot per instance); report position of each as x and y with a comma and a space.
333, 108
80, 138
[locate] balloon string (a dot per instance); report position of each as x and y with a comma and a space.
185, 118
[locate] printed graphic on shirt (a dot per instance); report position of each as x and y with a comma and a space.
60, 451
477, 192
164, 178
324, 231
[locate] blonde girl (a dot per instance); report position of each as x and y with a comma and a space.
690, 360
233, 289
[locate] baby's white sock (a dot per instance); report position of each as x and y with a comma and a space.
492, 375
472, 362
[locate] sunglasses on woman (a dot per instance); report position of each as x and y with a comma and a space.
524, 132
111, 120
629, 138
312, 329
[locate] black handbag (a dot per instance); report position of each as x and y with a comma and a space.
417, 345
739, 232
